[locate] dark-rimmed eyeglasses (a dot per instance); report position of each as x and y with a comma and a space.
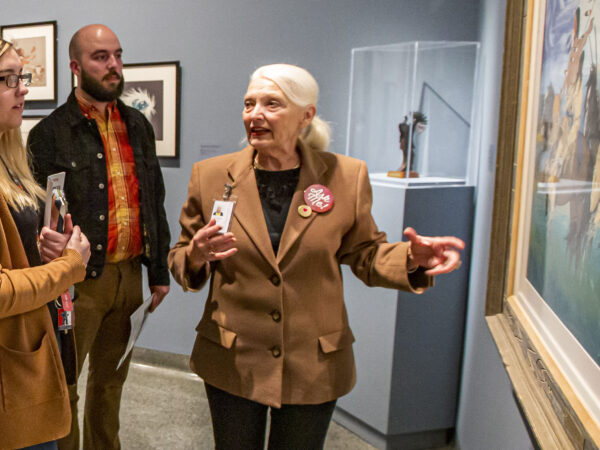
12, 80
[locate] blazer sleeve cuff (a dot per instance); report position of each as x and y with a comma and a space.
189, 279
390, 269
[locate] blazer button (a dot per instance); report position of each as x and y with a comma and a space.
101, 217
275, 279
101, 186
99, 155
93, 274
99, 247
276, 315
276, 351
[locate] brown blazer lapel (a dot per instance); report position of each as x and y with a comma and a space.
311, 172
12, 253
248, 208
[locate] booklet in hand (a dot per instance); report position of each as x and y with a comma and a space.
56, 203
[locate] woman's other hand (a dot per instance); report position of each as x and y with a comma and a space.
209, 245
52, 243
79, 242
438, 254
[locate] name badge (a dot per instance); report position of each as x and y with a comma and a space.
66, 315
222, 212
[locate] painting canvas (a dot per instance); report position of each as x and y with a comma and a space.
35, 44
564, 244
148, 98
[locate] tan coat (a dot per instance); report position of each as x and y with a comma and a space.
275, 327
34, 403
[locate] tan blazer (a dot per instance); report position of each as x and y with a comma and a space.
34, 403
275, 328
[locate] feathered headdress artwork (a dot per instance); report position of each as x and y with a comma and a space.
141, 100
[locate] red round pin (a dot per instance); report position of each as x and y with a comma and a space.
319, 198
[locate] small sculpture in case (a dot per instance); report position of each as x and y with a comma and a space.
407, 135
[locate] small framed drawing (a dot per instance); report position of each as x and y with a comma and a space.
28, 123
154, 90
542, 300
36, 45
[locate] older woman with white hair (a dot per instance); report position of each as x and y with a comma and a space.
269, 227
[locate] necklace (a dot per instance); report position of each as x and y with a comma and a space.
256, 165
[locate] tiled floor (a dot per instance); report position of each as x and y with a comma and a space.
167, 409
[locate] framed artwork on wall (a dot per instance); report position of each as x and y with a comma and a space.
543, 298
36, 45
154, 90
28, 123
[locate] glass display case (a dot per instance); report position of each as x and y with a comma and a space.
411, 118
411, 112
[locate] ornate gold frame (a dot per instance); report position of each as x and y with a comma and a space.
554, 414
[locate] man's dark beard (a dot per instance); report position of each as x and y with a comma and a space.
96, 90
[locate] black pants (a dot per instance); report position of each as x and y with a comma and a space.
239, 423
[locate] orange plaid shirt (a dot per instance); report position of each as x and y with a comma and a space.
124, 235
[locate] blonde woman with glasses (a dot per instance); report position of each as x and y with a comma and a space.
34, 404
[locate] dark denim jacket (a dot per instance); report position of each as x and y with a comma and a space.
67, 141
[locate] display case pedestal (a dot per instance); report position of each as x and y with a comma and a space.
409, 347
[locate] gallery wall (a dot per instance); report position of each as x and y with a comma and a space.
487, 417
218, 45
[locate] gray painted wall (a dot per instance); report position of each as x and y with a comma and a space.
488, 417
219, 43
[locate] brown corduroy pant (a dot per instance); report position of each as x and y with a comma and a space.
102, 310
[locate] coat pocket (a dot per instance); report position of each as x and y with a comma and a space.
216, 333
30, 378
336, 341
77, 165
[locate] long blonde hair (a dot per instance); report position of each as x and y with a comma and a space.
15, 163
15, 158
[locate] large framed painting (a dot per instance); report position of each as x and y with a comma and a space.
543, 299
36, 45
154, 90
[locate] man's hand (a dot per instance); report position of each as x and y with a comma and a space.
158, 293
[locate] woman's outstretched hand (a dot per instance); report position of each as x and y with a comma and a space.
437, 254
